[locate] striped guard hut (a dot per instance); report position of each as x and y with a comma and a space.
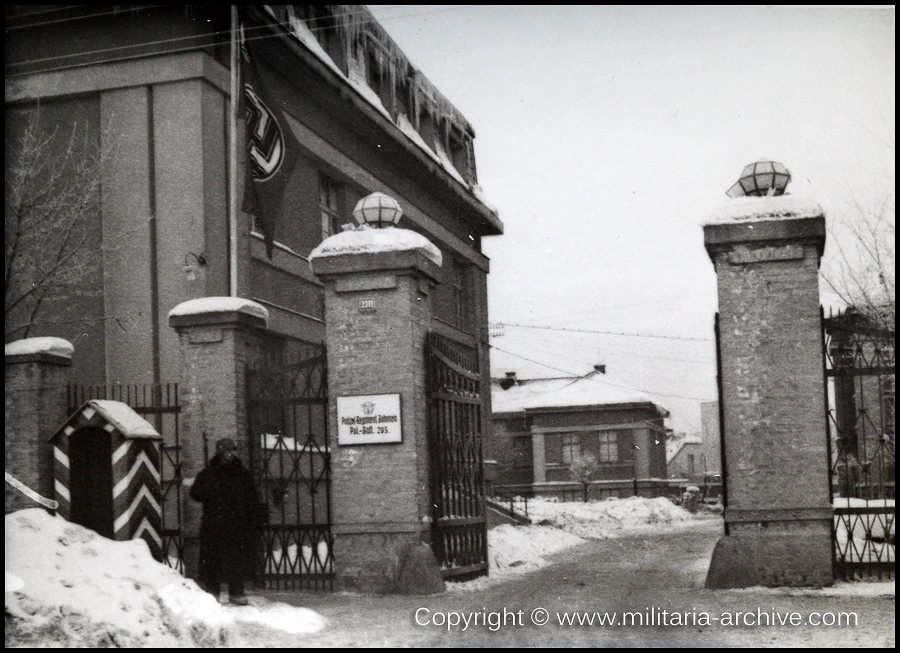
106, 462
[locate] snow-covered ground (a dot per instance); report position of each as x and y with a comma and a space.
79, 589
68, 586
558, 525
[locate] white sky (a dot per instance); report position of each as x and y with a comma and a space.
605, 135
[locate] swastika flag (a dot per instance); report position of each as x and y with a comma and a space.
271, 147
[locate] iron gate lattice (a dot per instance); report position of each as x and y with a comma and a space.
287, 420
859, 373
159, 404
459, 529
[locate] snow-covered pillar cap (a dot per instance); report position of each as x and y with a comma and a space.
218, 310
772, 220
46, 350
368, 250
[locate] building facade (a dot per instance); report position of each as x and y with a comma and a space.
145, 93
541, 426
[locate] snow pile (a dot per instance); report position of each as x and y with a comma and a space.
366, 240
55, 346
80, 589
516, 550
609, 518
765, 208
525, 548
220, 305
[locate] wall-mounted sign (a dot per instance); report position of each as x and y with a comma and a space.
367, 304
369, 419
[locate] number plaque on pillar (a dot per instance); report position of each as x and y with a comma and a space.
369, 419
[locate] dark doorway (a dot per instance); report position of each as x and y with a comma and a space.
90, 460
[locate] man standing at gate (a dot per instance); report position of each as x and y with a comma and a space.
230, 522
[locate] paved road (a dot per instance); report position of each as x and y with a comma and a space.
642, 574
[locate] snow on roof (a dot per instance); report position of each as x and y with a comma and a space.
765, 208
302, 32
124, 418
594, 389
220, 305
79, 589
47, 345
365, 240
674, 445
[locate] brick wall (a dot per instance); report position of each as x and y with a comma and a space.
35, 402
380, 492
772, 383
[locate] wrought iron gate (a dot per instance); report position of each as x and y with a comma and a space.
158, 404
459, 529
859, 374
287, 418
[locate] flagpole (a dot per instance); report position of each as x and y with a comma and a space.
232, 159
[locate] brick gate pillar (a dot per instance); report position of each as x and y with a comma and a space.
36, 374
377, 315
766, 252
217, 337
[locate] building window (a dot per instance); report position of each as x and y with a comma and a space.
522, 458
571, 447
690, 464
459, 289
609, 447
329, 191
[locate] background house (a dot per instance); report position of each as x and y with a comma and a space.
132, 104
685, 458
542, 424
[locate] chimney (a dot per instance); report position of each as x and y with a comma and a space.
509, 381
600, 368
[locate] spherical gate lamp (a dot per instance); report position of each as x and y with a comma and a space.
377, 210
761, 179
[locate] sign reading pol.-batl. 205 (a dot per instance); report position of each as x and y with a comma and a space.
369, 419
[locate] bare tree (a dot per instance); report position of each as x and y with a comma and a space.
583, 469
862, 274
52, 207
861, 270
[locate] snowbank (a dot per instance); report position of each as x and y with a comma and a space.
366, 240
79, 589
220, 305
765, 208
55, 346
609, 518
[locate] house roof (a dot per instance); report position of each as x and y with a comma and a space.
677, 444
592, 390
118, 415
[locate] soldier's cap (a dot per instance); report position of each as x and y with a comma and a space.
225, 444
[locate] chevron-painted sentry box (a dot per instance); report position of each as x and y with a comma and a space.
106, 472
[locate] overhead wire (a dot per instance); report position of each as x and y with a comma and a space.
608, 333
572, 374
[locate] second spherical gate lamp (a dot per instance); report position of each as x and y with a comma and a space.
761, 179
378, 210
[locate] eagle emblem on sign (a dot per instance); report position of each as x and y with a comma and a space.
368, 408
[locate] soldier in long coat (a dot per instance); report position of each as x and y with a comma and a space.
229, 526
